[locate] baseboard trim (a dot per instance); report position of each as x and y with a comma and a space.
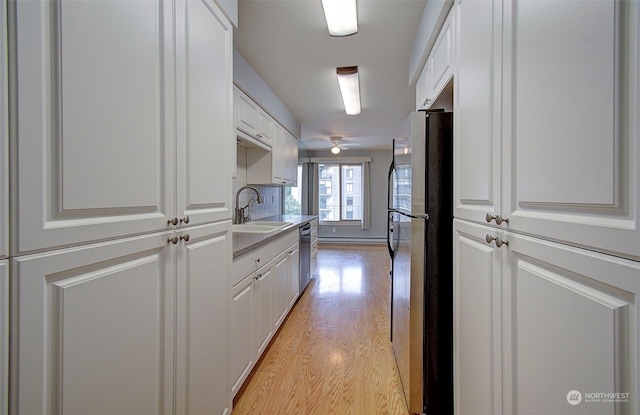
354, 241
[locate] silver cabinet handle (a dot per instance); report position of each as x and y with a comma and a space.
173, 221
500, 219
500, 242
185, 219
257, 277
257, 260
185, 237
174, 240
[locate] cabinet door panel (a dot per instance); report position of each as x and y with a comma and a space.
264, 308
205, 111
241, 345
95, 329
4, 336
202, 381
294, 279
281, 269
573, 165
93, 120
477, 282
476, 108
442, 58
571, 323
4, 139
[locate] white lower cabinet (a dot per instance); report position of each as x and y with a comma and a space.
4, 337
294, 274
260, 302
129, 326
536, 321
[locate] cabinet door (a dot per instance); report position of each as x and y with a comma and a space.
242, 353
264, 281
95, 329
202, 320
441, 59
293, 160
570, 319
4, 138
279, 155
282, 270
4, 337
573, 165
476, 125
93, 119
205, 111
294, 275
267, 130
477, 331
246, 113
423, 87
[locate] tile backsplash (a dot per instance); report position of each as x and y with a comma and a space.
272, 194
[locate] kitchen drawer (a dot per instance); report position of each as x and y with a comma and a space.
284, 242
250, 262
314, 247
314, 225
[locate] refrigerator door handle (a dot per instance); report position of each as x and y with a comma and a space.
409, 215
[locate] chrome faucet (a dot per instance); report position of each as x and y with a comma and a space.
239, 216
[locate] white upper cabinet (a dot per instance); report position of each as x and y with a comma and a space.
441, 59
570, 122
205, 112
94, 120
423, 88
252, 120
110, 115
246, 113
438, 69
477, 109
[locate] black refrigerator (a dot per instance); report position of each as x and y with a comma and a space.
420, 241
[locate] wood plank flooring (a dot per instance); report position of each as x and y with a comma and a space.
332, 355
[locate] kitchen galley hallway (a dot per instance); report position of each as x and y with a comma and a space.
332, 355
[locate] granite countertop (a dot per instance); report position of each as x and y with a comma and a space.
244, 242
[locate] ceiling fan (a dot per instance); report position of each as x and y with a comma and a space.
335, 142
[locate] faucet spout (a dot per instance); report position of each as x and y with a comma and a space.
239, 216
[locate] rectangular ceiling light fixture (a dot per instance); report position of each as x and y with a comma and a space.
349, 88
342, 17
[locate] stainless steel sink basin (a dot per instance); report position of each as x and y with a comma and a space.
260, 227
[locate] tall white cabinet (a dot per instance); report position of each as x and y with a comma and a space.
547, 207
121, 238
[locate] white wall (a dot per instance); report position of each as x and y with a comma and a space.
246, 78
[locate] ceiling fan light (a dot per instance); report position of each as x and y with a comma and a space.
335, 150
341, 16
349, 84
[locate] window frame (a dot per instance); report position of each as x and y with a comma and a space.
342, 211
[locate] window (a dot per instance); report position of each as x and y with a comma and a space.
340, 192
293, 196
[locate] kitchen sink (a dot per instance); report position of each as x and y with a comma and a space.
260, 226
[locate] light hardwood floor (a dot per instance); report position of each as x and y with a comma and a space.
332, 355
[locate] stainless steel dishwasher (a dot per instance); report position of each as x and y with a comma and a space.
305, 253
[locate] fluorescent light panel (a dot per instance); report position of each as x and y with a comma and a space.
349, 88
342, 17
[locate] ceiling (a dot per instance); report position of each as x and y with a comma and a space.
288, 45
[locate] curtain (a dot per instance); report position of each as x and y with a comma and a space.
310, 203
366, 199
